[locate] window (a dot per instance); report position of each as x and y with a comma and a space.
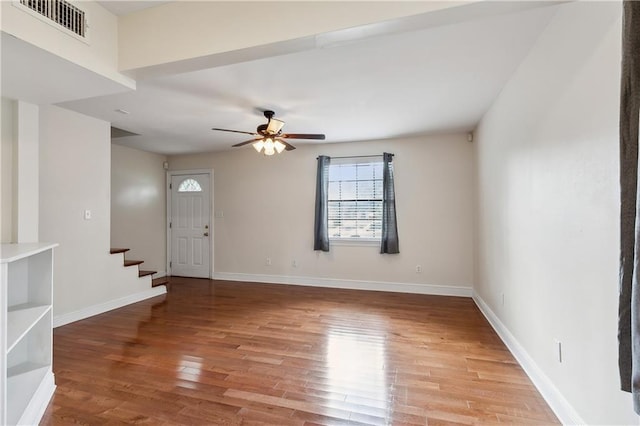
355, 198
189, 185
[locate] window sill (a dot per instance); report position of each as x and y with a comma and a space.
354, 242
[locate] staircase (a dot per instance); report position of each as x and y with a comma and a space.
155, 282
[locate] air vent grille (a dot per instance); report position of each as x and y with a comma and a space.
61, 12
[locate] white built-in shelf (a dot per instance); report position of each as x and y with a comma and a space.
21, 319
12, 252
25, 369
24, 381
26, 318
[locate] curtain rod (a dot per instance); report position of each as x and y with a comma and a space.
360, 156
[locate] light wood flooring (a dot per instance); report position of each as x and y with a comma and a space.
216, 353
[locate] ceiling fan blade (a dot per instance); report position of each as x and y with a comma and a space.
246, 142
236, 131
287, 145
274, 126
303, 136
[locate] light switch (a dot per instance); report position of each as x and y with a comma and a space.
87, 215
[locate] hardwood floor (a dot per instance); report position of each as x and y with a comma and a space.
216, 352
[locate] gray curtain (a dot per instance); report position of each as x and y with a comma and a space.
389, 224
629, 307
321, 226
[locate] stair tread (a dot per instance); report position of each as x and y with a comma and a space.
133, 262
145, 273
118, 250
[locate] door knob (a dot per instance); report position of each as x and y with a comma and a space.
206, 234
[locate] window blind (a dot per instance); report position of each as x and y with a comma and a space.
355, 198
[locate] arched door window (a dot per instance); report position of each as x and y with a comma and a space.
189, 185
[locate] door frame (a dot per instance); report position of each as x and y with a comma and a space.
170, 175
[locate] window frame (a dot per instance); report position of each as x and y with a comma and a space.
365, 159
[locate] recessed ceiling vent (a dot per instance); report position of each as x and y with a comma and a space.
59, 12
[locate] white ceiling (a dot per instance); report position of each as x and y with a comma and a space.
434, 80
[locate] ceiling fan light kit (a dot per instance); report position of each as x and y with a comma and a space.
269, 146
270, 137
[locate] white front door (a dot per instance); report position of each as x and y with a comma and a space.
190, 225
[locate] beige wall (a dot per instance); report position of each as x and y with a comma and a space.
547, 159
267, 209
154, 36
138, 205
75, 153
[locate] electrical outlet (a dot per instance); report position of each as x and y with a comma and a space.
294, 263
418, 269
87, 215
268, 261
502, 299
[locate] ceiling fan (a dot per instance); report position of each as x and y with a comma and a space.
270, 137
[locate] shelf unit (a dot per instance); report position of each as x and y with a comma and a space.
26, 320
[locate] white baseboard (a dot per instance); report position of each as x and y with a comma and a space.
558, 403
39, 401
160, 274
90, 311
439, 290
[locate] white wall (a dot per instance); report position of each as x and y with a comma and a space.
25, 172
75, 152
19, 175
6, 171
99, 54
267, 205
547, 161
138, 205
